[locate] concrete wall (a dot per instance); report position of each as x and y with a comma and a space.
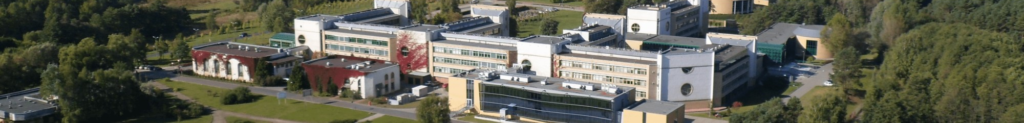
650, 77
391, 48
220, 68
539, 55
385, 77
650, 21
311, 30
672, 77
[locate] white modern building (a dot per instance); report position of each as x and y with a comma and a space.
237, 61
370, 78
678, 18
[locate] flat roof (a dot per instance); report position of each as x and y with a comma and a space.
318, 17
544, 39
226, 47
554, 85
283, 37
813, 31
285, 59
667, 39
778, 33
609, 58
361, 32
657, 107
422, 27
345, 61
730, 52
481, 29
24, 101
478, 45
379, 18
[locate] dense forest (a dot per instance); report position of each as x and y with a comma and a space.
938, 60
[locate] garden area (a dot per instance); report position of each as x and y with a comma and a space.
565, 19
775, 87
266, 106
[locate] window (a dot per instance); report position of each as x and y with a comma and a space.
686, 89
635, 27
302, 39
641, 94
687, 70
405, 51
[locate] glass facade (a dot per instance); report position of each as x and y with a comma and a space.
357, 50
812, 47
604, 67
775, 52
469, 63
464, 52
605, 78
356, 40
547, 106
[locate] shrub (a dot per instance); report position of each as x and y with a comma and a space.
237, 95
737, 104
381, 100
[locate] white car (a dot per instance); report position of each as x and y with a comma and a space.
828, 83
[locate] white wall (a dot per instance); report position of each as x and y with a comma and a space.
312, 32
366, 83
672, 78
221, 71
650, 21
539, 55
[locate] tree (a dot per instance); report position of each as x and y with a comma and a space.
180, 50
1013, 115
601, 6
837, 33
771, 111
550, 27
160, 47
412, 55
511, 4
272, 19
846, 67
831, 108
211, 20
433, 109
419, 10
297, 80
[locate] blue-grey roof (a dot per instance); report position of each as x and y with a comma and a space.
611, 50
469, 23
318, 17
25, 101
486, 12
366, 14
730, 41
391, 4
479, 37
615, 23
813, 31
362, 26
778, 33
657, 107
362, 32
508, 46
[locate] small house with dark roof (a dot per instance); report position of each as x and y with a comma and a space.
369, 77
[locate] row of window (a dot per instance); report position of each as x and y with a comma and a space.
604, 67
612, 79
641, 94
469, 63
356, 40
448, 70
543, 96
464, 52
357, 50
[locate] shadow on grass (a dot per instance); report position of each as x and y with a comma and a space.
773, 88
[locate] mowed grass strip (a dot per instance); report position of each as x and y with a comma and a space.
267, 106
566, 20
393, 119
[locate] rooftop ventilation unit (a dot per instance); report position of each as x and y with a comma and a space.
328, 63
578, 85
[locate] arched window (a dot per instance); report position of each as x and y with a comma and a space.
216, 67
238, 70
526, 65
686, 89
687, 70
302, 39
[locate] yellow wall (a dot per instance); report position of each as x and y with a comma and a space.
634, 44
457, 93
763, 2
631, 116
823, 52
721, 6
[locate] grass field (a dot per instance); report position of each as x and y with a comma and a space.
566, 20
338, 8
576, 3
160, 119
268, 106
796, 85
231, 119
393, 119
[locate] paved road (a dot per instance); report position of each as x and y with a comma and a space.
817, 78
542, 5
272, 91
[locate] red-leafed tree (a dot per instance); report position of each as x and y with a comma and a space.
411, 55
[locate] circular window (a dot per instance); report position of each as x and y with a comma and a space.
405, 51
302, 39
636, 27
686, 89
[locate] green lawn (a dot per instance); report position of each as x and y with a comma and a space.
268, 106
574, 3
207, 118
393, 119
413, 104
793, 87
472, 118
338, 8
815, 93
231, 119
566, 20
227, 36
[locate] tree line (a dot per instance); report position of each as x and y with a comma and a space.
938, 60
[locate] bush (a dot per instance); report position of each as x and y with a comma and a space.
344, 121
381, 100
237, 95
269, 81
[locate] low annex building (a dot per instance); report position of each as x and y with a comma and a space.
237, 61
26, 105
369, 77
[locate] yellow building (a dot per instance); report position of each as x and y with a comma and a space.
650, 111
455, 55
732, 6
809, 38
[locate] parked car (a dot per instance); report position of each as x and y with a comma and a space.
243, 35
828, 83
